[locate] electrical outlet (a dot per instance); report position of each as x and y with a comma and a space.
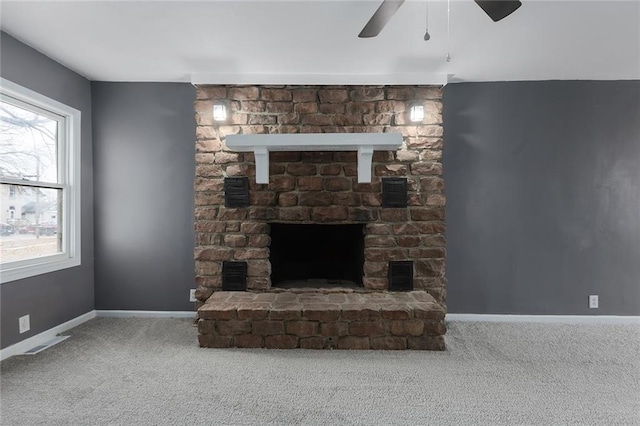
192, 295
593, 301
24, 324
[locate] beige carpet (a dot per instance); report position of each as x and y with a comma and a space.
150, 372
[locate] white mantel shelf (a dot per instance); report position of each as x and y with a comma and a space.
363, 143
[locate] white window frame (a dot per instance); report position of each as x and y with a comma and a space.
68, 181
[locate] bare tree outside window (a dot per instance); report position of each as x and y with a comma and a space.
30, 210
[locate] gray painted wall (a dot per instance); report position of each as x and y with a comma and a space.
51, 299
543, 197
144, 165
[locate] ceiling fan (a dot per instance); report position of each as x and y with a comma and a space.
496, 9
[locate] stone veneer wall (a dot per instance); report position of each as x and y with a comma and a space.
321, 187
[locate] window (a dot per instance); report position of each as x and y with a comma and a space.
39, 184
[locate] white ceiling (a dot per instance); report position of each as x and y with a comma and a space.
316, 41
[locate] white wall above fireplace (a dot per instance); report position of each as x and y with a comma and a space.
364, 143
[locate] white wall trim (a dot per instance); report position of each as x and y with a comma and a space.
146, 314
44, 337
557, 319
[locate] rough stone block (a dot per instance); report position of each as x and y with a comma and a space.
406, 327
353, 342
302, 169
430, 130
251, 254
208, 198
329, 214
252, 311
357, 214
408, 241
395, 311
331, 170
313, 183
302, 328
235, 240
331, 109
312, 343
305, 95
248, 341
333, 96
367, 95
232, 327
321, 312
276, 95
367, 328
318, 120
283, 341
434, 327
390, 169
426, 168
258, 268
430, 267
428, 253
203, 293
268, 327
316, 198
306, 108
279, 107
372, 283
337, 184
346, 199
232, 214
243, 93
286, 312
360, 312
206, 326
217, 310
317, 157
426, 214
214, 341
436, 200
335, 329
389, 343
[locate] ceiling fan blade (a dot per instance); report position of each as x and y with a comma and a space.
380, 18
499, 9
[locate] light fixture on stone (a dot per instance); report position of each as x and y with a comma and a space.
417, 113
219, 112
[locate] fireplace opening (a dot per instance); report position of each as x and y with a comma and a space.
316, 255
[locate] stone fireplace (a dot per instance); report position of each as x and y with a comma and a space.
316, 234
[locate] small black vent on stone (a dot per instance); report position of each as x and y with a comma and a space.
236, 192
234, 276
401, 275
394, 192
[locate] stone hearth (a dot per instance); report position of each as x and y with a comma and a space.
322, 319
321, 187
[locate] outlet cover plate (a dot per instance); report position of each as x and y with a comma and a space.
24, 324
593, 301
192, 295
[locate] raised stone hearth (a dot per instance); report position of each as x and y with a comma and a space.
322, 320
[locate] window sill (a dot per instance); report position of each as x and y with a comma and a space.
45, 265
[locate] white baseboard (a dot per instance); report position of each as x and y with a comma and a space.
146, 314
44, 337
557, 319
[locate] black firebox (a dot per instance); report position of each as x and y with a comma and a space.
317, 255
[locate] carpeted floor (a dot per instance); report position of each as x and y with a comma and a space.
132, 371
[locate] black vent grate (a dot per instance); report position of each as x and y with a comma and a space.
394, 192
401, 275
236, 192
234, 276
